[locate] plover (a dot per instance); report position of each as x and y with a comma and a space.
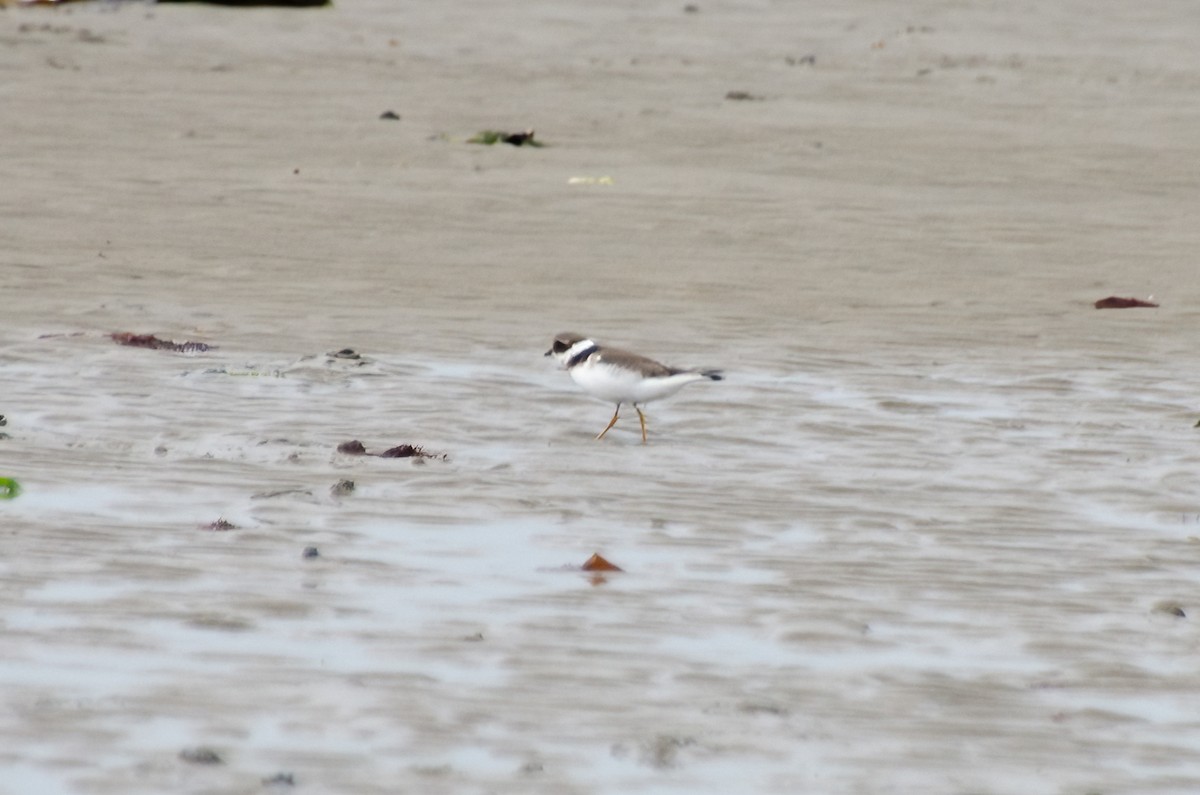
621, 376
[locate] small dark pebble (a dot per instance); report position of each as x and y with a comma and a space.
345, 353
354, 447
390, 115
220, 525
342, 488
691, 8
803, 60
476, 638
201, 756
1171, 608
741, 96
310, 552
280, 779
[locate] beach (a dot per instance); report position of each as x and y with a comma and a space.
935, 532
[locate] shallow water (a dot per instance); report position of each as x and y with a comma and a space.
864, 577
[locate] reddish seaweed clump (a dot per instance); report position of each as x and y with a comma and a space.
356, 447
401, 451
1113, 302
410, 451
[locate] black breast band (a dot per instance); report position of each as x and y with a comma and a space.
579, 357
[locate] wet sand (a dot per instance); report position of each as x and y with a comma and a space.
936, 532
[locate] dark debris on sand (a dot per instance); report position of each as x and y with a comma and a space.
151, 341
492, 137
201, 756
280, 780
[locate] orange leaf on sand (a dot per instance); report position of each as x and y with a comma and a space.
597, 563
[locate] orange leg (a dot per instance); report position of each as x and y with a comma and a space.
611, 422
641, 417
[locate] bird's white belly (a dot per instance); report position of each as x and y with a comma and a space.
618, 385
